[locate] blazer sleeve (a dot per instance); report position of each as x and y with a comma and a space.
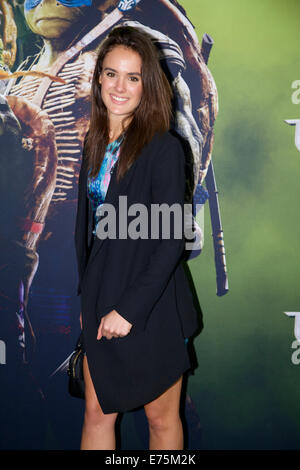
168, 186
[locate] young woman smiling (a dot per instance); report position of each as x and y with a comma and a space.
136, 306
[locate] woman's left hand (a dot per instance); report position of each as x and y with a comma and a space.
113, 325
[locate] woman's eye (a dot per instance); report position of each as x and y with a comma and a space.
110, 74
134, 79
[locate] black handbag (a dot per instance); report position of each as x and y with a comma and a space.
75, 371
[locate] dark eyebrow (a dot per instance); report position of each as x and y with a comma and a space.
130, 73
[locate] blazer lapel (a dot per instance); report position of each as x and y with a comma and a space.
115, 189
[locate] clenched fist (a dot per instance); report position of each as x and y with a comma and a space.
113, 325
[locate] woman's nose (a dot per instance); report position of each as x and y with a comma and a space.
120, 84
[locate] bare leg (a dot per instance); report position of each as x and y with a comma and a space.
165, 426
98, 432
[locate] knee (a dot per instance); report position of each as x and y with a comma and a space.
95, 417
161, 420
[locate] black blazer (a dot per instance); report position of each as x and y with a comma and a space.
131, 275
143, 279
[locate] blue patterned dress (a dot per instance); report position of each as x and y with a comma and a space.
97, 187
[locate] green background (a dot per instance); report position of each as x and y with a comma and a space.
246, 389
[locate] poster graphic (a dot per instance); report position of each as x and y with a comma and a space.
50, 49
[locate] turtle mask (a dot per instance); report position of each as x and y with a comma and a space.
30, 4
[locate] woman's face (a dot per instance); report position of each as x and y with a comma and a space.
121, 83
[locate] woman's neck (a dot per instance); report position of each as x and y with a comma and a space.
116, 128
114, 136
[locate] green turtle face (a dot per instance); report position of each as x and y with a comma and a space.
51, 19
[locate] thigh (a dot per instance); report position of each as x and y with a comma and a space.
166, 404
92, 404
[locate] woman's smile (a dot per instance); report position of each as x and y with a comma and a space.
118, 99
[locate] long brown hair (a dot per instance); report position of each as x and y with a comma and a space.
152, 115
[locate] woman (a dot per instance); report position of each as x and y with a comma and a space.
137, 309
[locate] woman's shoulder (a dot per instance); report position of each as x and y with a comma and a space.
163, 153
165, 143
165, 138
